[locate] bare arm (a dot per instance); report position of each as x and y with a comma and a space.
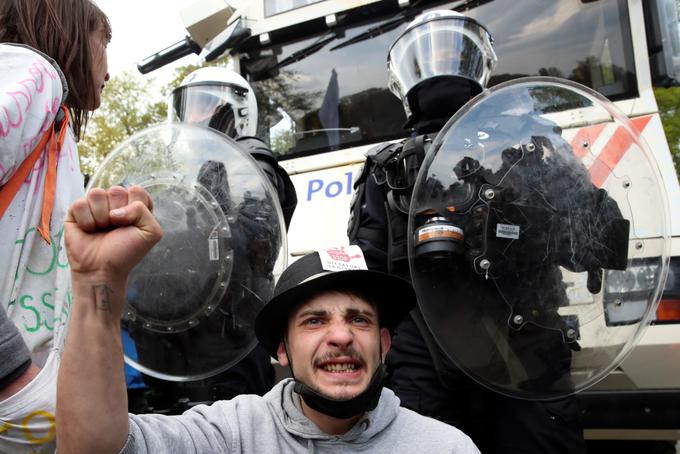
106, 234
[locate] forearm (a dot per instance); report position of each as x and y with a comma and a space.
91, 395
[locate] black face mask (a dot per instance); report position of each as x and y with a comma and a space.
435, 100
343, 409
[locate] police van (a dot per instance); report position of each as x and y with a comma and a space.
318, 69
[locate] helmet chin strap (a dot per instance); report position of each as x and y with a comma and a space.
365, 401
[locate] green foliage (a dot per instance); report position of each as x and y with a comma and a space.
182, 71
282, 142
126, 108
179, 74
668, 100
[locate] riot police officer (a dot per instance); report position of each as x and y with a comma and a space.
222, 100
436, 66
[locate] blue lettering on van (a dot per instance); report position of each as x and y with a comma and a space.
331, 188
314, 186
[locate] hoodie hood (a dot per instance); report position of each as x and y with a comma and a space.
284, 402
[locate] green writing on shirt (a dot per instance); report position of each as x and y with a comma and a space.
37, 311
57, 259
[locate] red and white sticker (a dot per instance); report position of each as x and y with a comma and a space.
342, 258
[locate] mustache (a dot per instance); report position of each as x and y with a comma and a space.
347, 352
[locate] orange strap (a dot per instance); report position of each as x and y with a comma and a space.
10, 189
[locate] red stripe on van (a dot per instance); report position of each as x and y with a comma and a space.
588, 135
612, 153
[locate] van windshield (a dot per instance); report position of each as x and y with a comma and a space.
329, 92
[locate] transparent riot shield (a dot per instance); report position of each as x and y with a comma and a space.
538, 241
192, 301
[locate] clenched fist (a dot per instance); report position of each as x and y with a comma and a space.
109, 231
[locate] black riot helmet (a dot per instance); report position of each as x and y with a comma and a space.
441, 61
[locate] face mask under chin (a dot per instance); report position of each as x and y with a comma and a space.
347, 408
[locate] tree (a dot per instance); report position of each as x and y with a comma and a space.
179, 74
127, 107
283, 141
182, 71
668, 100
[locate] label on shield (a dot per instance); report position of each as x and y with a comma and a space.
507, 231
213, 247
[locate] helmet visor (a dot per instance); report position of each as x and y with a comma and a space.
454, 46
220, 107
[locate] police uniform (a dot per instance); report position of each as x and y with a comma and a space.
420, 374
222, 100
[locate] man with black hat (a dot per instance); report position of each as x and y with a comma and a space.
329, 321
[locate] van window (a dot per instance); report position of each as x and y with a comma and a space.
329, 92
272, 7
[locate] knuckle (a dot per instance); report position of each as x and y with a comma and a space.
136, 190
78, 204
117, 192
96, 193
158, 233
137, 205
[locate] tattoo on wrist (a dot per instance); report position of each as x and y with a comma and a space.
102, 297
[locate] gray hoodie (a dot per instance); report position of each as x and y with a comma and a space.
275, 424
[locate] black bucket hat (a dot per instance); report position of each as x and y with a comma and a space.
307, 277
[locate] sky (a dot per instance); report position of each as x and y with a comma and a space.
142, 28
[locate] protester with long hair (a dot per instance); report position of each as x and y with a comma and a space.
54, 67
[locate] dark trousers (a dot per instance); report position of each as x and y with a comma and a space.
496, 423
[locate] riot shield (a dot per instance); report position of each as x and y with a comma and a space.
538, 238
191, 302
